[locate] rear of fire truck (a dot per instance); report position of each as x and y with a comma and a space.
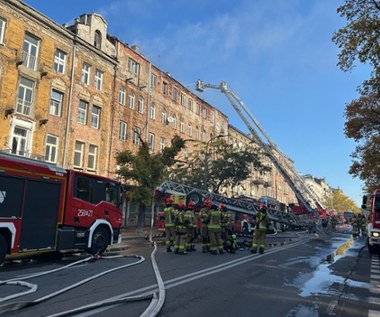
371, 209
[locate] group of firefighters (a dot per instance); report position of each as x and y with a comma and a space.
213, 225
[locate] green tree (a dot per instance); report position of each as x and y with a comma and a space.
219, 166
340, 202
359, 41
144, 171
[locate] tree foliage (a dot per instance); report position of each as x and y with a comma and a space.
227, 166
359, 41
340, 202
144, 171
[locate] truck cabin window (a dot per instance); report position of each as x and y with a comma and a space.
377, 207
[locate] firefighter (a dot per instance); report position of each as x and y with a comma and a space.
228, 236
190, 226
215, 231
170, 214
362, 225
261, 226
355, 226
181, 230
205, 219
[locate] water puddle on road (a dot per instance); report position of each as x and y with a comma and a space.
320, 280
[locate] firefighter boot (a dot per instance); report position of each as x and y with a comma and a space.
261, 250
168, 249
253, 250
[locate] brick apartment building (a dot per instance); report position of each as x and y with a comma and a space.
75, 96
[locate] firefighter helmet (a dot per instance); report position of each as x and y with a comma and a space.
169, 200
208, 203
222, 207
191, 204
181, 205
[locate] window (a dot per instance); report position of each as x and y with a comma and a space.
151, 141
183, 100
25, 96
133, 66
190, 129
181, 126
2, 30
212, 117
136, 136
190, 104
132, 100
163, 118
56, 99
98, 79
204, 113
173, 122
51, 147
140, 105
175, 94
162, 144
60, 59
30, 51
82, 112
165, 88
196, 132
98, 39
123, 128
95, 117
20, 141
78, 154
153, 80
152, 111
92, 157
86, 72
197, 108
122, 96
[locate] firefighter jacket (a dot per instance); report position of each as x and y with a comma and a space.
170, 216
181, 226
262, 221
215, 219
189, 219
204, 215
227, 219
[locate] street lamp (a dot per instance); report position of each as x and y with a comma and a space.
205, 179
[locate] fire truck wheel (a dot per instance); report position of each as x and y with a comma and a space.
3, 249
100, 241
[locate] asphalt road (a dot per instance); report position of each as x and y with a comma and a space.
300, 275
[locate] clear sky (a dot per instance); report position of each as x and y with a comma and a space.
276, 55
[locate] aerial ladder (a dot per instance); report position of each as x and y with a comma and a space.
305, 195
233, 204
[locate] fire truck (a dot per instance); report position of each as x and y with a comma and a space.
45, 208
371, 209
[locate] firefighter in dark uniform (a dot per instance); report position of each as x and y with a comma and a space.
355, 226
190, 226
170, 214
181, 230
261, 226
204, 215
362, 224
215, 231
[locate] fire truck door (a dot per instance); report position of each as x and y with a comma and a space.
40, 213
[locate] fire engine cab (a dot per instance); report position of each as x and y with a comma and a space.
45, 208
371, 205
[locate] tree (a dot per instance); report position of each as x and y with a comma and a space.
363, 126
227, 166
144, 171
340, 202
360, 40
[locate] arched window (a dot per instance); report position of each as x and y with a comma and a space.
98, 39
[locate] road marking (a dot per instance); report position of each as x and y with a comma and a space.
374, 288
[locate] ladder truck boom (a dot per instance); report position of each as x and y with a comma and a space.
232, 204
304, 194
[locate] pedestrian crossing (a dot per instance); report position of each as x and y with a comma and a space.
374, 287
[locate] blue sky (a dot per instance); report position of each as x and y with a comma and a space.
276, 55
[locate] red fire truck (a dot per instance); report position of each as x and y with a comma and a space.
45, 208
